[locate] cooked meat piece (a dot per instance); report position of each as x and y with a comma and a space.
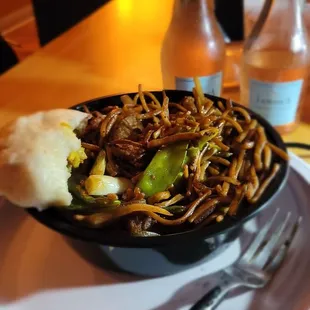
189, 103
107, 109
139, 223
93, 124
129, 152
147, 223
91, 132
126, 128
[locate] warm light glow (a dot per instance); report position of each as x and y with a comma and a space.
144, 10
125, 7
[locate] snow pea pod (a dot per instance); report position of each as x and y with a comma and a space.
163, 170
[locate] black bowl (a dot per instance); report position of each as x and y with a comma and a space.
174, 252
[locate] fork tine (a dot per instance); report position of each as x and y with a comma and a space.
275, 261
256, 243
265, 252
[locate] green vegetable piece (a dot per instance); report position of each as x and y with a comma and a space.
106, 202
99, 165
207, 137
214, 146
76, 204
81, 200
164, 169
77, 191
176, 209
81, 206
202, 142
192, 153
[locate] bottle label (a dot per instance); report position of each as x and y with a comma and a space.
276, 102
211, 84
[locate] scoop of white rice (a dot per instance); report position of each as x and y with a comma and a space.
33, 157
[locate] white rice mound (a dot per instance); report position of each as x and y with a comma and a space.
33, 157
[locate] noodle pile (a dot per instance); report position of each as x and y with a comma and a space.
228, 160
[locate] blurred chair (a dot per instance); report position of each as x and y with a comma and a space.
7, 56
53, 17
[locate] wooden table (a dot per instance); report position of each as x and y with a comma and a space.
112, 51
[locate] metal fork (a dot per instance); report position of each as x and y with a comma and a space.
258, 263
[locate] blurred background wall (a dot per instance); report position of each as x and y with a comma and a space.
13, 11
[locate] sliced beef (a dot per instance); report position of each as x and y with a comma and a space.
129, 152
139, 223
127, 128
189, 103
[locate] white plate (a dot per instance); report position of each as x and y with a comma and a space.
40, 270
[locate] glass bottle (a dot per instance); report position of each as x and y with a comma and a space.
275, 62
193, 46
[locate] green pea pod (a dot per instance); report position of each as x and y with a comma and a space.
82, 200
76, 190
192, 153
202, 142
88, 208
76, 204
214, 146
164, 169
212, 133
